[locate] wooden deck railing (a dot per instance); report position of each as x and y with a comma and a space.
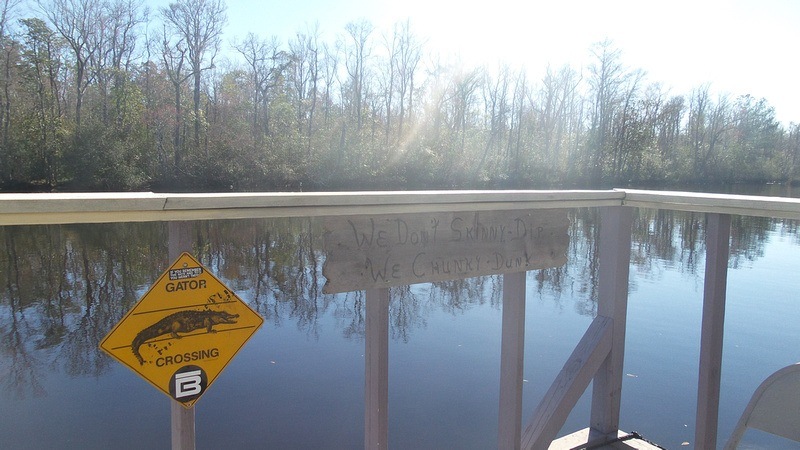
599, 355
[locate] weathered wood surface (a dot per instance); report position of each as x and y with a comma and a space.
512, 359
33, 209
614, 248
63, 208
745, 205
714, 292
364, 252
376, 370
181, 419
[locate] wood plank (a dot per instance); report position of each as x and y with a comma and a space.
748, 205
81, 202
512, 355
614, 249
569, 385
376, 370
370, 198
274, 212
714, 293
34, 209
182, 419
182, 426
364, 252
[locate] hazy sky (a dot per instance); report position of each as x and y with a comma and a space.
739, 47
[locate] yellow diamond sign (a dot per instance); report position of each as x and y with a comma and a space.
183, 331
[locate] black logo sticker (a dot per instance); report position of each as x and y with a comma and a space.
188, 383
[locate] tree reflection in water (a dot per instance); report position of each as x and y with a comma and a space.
64, 287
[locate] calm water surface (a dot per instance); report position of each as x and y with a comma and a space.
299, 382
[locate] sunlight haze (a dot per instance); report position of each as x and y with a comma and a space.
738, 47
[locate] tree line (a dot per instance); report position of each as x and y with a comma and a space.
108, 95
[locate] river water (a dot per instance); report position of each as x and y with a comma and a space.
299, 382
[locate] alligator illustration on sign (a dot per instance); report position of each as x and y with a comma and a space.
181, 322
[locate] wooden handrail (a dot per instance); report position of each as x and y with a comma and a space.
34, 209
63, 208
744, 205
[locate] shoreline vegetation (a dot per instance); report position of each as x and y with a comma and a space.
108, 96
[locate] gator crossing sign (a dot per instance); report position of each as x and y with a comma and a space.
183, 331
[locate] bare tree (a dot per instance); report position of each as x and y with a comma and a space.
173, 54
706, 125
357, 52
388, 78
462, 101
514, 160
624, 124
330, 68
698, 117
7, 10
409, 53
77, 22
669, 123
555, 97
496, 110
607, 76
199, 24
115, 41
305, 51
261, 56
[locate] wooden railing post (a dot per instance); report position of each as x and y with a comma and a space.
511, 361
614, 248
718, 232
183, 433
376, 364
598, 357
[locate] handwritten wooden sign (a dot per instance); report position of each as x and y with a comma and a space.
364, 252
